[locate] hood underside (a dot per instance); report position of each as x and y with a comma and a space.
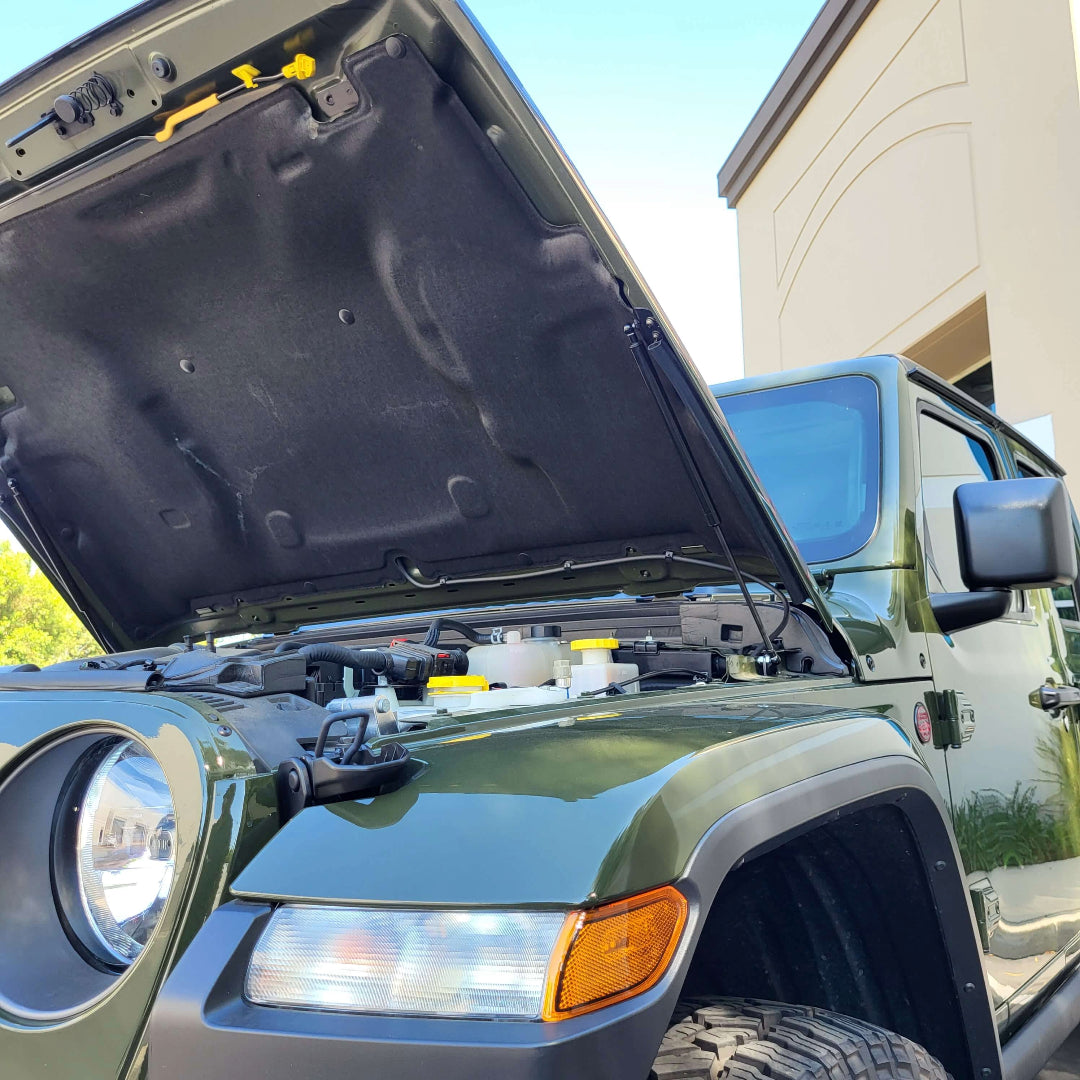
281, 357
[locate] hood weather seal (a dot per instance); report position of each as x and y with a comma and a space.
570, 565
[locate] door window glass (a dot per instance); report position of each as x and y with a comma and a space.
949, 458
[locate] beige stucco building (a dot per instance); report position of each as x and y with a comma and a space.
912, 184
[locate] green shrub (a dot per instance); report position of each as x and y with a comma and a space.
1061, 760
993, 829
36, 625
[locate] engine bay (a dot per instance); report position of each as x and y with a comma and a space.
350, 684
328, 709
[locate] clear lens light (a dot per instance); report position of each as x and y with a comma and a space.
126, 833
433, 963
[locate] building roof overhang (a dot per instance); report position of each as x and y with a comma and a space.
820, 48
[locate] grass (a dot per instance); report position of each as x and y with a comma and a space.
994, 829
1060, 754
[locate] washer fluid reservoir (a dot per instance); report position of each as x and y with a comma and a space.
596, 669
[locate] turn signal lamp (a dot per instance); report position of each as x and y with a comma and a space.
613, 952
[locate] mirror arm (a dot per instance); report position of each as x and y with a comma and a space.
960, 610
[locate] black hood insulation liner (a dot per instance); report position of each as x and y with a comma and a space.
279, 356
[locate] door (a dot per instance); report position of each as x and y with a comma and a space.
1008, 778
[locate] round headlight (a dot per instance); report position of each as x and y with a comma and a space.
123, 833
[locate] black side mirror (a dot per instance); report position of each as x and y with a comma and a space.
1012, 534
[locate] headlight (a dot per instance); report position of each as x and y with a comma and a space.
114, 856
443, 963
527, 965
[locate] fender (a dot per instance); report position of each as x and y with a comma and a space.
56, 1012
565, 811
703, 811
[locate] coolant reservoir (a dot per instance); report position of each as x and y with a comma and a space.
519, 661
597, 669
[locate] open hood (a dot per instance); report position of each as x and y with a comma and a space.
336, 340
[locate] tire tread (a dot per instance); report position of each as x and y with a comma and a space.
748, 1039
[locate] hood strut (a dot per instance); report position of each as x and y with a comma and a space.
652, 351
48, 559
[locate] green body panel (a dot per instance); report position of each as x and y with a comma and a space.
223, 812
588, 804
547, 806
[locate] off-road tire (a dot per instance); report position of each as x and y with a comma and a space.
747, 1039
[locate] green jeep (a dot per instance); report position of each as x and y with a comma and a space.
464, 707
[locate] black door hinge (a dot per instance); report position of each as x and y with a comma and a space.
952, 718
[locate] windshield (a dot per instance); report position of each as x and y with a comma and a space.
816, 447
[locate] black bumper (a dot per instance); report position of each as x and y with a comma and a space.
202, 1026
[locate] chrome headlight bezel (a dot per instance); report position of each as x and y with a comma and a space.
71, 862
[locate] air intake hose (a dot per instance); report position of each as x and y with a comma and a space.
400, 662
374, 660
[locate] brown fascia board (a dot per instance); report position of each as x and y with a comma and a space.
831, 30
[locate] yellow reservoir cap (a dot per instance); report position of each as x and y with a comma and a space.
594, 643
448, 683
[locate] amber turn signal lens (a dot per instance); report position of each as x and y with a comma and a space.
613, 952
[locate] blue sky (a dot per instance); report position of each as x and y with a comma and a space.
647, 99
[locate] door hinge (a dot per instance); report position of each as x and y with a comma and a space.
952, 718
984, 899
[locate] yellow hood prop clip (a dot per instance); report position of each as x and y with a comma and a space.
301, 66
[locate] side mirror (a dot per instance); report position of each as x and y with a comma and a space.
1012, 534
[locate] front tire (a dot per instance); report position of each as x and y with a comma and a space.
746, 1039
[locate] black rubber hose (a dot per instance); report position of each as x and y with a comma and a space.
464, 629
375, 660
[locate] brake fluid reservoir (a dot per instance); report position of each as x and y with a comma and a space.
518, 661
596, 669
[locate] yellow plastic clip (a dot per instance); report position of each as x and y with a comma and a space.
247, 75
178, 117
302, 67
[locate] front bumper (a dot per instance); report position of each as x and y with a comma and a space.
202, 1026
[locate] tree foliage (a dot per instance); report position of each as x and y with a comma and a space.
36, 625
